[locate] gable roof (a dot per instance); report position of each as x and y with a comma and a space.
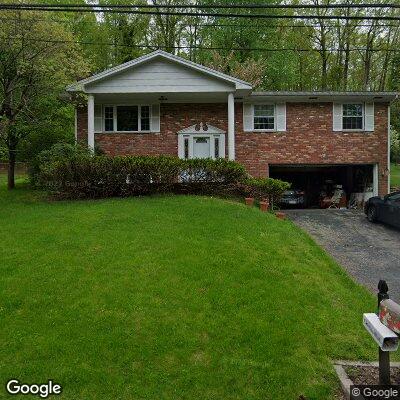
78, 86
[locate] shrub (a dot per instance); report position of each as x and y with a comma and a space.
266, 188
73, 172
76, 174
58, 152
207, 176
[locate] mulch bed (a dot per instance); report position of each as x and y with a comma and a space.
369, 375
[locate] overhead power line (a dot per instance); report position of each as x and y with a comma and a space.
209, 24
199, 47
203, 14
213, 6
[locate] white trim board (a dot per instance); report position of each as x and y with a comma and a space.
203, 129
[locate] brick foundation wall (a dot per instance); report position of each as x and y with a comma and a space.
309, 138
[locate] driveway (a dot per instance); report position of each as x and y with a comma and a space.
369, 252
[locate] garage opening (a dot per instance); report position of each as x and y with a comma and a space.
318, 182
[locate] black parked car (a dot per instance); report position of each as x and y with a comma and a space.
293, 198
384, 209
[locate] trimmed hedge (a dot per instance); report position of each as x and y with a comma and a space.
267, 188
83, 176
73, 172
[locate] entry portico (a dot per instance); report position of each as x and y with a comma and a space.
129, 97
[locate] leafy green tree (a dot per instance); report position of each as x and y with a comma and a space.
395, 146
35, 62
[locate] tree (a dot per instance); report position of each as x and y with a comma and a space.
394, 146
37, 58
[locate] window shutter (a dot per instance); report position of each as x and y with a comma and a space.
337, 117
281, 117
369, 123
248, 119
181, 148
155, 118
98, 118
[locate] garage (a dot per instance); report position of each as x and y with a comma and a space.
345, 184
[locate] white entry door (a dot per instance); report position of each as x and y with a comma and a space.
201, 147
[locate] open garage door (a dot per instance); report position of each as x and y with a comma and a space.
317, 181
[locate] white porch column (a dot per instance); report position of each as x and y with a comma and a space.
231, 126
90, 109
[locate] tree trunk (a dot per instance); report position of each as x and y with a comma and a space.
11, 169
346, 65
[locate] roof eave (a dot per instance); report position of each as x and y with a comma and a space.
327, 96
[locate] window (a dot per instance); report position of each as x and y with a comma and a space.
145, 118
186, 148
216, 147
108, 119
353, 117
264, 117
126, 118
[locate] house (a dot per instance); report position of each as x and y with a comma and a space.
163, 104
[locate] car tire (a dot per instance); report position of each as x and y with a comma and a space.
371, 214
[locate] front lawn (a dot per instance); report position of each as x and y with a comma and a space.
395, 175
171, 298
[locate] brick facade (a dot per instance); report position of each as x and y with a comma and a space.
309, 138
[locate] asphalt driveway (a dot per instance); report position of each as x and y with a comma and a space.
369, 252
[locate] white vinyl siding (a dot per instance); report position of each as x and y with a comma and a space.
160, 76
133, 118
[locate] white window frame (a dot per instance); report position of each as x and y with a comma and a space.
114, 106
345, 116
265, 116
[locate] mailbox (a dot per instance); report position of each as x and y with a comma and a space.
386, 338
389, 314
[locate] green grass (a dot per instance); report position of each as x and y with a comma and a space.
171, 298
395, 175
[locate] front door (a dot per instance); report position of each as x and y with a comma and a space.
201, 147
